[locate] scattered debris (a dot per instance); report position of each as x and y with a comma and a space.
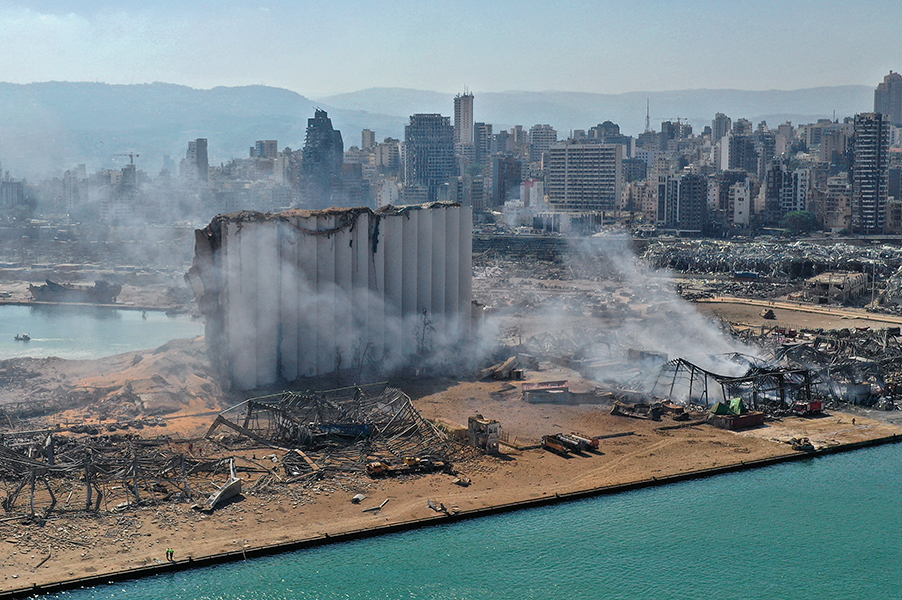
230, 489
360, 428
801, 444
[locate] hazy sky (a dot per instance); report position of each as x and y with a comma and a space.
334, 46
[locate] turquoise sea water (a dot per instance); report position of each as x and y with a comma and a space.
85, 332
827, 528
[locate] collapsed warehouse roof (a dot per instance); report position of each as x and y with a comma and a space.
850, 366
340, 429
766, 388
111, 471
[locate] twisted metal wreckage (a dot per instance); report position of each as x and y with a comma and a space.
95, 469
320, 433
861, 367
342, 429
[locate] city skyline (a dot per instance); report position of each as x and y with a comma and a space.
318, 50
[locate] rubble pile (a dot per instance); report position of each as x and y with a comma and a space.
736, 289
124, 387
842, 367
46, 472
890, 298
338, 430
793, 260
857, 366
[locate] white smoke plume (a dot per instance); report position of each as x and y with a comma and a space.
622, 305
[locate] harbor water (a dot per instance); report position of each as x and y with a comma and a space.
86, 332
825, 528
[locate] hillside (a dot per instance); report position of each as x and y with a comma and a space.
573, 110
48, 127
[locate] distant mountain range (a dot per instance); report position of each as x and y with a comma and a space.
572, 110
48, 127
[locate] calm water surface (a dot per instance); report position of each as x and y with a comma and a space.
87, 332
820, 529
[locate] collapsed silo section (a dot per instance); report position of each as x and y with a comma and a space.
307, 293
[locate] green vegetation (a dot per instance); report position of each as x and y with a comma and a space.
799, 221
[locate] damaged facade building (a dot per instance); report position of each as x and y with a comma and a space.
306, 293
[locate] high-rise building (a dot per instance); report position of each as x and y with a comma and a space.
387, 156
482, 137
870, 167
367, 139
722, 199
785, 190
720, 126
507, 175
541, 137
584, 176
765, 147
463, 119
428, 152
322, 164
738, 152
12, 193
265, 149
888, 98
686, 202
196, 164
743, 127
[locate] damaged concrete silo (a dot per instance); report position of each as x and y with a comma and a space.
305, 293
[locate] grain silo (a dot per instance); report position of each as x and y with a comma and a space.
305, 293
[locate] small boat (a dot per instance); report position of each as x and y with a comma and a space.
24, 337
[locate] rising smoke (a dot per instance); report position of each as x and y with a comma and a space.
622, 306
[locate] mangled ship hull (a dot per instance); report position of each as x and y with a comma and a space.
306, 293
102, 292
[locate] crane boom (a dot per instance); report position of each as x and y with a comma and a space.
131, 156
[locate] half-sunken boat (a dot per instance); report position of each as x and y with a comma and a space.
102, 292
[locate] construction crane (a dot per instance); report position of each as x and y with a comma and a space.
131, 156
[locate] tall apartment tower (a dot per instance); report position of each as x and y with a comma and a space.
367, 139
323, 157
428, 152
482, 138
196, 165
463, 119
464, 142
584, 176
265, 149
686, 201
541, 137
720, 126
888, 98
870, 172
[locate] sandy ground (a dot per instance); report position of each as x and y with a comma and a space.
793, 315
77, 544
80, 545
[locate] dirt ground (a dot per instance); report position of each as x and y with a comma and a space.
77, 544
793, 315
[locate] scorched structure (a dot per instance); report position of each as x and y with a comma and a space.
305, 293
